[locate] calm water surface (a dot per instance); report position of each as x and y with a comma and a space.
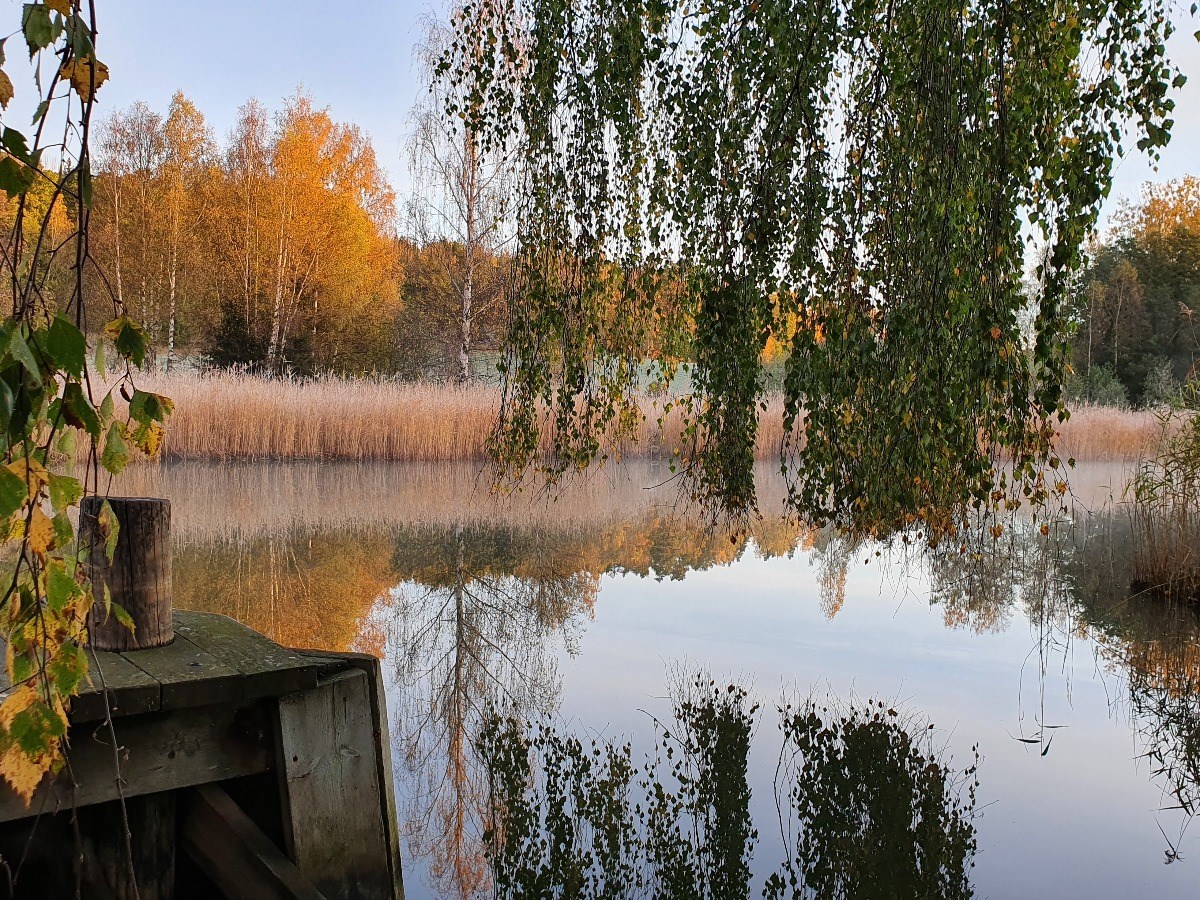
1082, 700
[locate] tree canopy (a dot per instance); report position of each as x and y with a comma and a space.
861, 181
1138, 298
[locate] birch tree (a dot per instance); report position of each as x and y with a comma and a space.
461, 197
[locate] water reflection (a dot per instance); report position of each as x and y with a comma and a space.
867, 808
476, 602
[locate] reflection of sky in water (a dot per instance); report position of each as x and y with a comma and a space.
1078, 822
269, 546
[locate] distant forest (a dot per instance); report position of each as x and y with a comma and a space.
282, 249
278, 250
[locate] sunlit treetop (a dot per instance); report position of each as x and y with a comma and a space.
860, 180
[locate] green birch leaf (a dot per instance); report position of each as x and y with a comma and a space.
123, 617
129, 338
6, 406
115, 455
37, 26
60, 586
64, 531
15, 177
65, 491
78, 410
69, 668
22, 354
110, 527
66, 345
13, 492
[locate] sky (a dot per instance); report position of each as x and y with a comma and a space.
356, 58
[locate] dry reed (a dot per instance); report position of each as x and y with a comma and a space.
223, 416
1103, 433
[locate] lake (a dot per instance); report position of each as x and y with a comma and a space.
581, 608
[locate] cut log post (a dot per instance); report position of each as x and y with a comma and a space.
138, 576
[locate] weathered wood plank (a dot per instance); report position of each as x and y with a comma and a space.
330, 788
188, 675
130, 690
383, 741
158, 752
235, 855
268, 669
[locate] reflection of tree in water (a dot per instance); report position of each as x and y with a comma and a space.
868, 808
871, 811
476, 624
979, 582
1077, 581
467, 632
301, 587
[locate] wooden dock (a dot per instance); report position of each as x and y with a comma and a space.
244, 770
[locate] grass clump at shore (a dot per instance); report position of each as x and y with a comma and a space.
227, 416
1165, 495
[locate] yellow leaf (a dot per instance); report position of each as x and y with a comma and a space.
32, 472
149, 438
41, 532
80, 73
62, 7
24, 771
6, 89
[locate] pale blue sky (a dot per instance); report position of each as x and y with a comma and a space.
356, 58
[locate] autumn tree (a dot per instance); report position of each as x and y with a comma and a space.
296, 202
126, 241
1138, 298
186, 176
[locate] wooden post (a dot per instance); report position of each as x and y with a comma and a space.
139, 575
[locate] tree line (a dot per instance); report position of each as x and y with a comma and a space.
278, 249
1137, 338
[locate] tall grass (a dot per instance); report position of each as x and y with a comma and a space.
224, 416
1166, 511
1107, 433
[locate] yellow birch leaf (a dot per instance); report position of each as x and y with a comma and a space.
149, 438
32, 472
79, 73
23, 772
6, 89
41, 532
62, 7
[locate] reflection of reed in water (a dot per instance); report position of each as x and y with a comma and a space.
1081, 581
867, 808
224, 501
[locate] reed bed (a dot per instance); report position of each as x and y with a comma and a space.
1103, 433
225, 416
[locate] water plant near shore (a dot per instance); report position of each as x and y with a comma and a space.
1165, 494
